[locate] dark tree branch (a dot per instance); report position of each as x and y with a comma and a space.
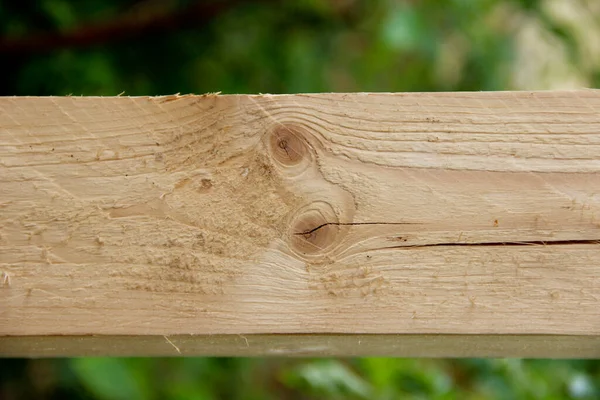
125, 27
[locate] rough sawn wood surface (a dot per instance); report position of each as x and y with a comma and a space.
445, 213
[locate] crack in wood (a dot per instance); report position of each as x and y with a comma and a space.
308, 232
498, 244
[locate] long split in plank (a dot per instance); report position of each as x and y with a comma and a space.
409, 221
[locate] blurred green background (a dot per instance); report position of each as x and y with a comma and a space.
152, 47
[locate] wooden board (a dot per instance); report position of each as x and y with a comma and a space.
382, 214
295, 345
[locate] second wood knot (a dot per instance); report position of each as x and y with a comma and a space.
315, 229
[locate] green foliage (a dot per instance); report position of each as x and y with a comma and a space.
288, 47
300, 46
242, 378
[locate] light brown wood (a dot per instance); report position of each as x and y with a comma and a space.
440, 213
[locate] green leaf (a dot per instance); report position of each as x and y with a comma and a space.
328, 377
108, 378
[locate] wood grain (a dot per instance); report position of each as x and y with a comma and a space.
425, 213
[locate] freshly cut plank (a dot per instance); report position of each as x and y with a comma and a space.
350, 214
